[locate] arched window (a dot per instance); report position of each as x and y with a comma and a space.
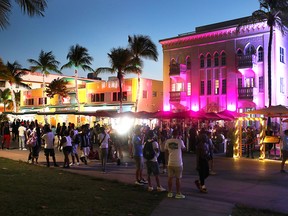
188, 63
216, 59
260, 54
208, 60
202, 63
223, 59
239, 53
250, 50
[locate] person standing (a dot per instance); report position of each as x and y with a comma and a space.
137, 149
22, 136
103, 139
48, 139
251, 137
174, 147
152, 164
75, 142
284, 151
6, 135
84, 143
67, 148
203, 157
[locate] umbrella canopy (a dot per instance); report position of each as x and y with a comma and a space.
272, 111
231, 114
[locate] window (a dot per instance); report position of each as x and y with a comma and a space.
29, 101
208, 60
223, 59
116, 96
216, 60
240, 83
97, 97
124, 96
281, 85
188, 89
2, 83
224, 86
216, 87
144, 94
188, 63
239, 53
173, 87
154, 94
202, 61
40, 101
249, 82
202, 88
282, 55
260, 54
261, 84
209, 87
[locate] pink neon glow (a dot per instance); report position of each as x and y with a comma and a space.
231, 107
166, 107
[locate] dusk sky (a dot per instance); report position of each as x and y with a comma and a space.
100, 25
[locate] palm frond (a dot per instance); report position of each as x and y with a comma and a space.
32, 7
5, 10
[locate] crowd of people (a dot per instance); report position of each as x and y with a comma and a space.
81, 144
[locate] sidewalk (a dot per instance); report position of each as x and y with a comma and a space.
250, 182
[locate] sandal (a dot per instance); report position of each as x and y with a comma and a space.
198, 185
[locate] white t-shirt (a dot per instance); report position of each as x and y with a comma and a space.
21, 131
174, 147
105, 142
48, 140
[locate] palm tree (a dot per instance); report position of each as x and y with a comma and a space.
121, 63
13, 74
78, 56
46, 63
31, 7
57, 86
5, 98
275, 14
141, 47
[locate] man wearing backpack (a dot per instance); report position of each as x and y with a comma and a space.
152, 165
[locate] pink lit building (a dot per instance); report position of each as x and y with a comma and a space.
217, 68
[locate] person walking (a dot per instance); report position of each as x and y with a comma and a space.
48, 139
22, 136
137, 149
152, 164
6, 136
174, 147
75, 142
103, 139
85, 144
67, 148
203, 157
284, 150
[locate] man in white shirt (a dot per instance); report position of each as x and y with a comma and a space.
48, 138
22, 136
174, 147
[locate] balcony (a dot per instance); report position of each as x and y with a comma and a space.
177, 96
245, 93
177, 69
245, 61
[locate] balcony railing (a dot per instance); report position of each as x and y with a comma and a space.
245, 61
245, 93
177, 96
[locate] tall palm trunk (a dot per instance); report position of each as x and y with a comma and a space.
138, 93
120, 94
13, 98
270, 71
76, 90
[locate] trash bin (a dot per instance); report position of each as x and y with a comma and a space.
229, 149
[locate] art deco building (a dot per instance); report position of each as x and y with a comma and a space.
217, 68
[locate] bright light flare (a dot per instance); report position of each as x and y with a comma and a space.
123, 125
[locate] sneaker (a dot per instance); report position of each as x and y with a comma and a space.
161, 189
143, 181
212, 173
24, 149
203, 189
198, 185
77, 164
282, 171
138, 182
72, 164
180, 196
150, 189
170, 194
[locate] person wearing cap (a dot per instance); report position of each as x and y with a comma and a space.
22, 136
152, 165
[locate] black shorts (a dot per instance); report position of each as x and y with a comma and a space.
49, 152
67, 149
152, 168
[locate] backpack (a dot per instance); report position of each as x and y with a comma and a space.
32, 140
148, 151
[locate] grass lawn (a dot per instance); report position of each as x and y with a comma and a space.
33, 190
240, 210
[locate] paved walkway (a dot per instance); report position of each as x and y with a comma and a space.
250, 182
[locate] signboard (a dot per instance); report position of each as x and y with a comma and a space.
271, 139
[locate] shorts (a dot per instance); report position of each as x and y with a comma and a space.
49, 152
67, 149
74, 149
175, 171
285, 154
152, 168
139, 162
